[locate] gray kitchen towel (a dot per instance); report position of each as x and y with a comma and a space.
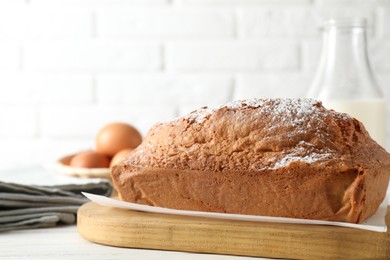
32, 206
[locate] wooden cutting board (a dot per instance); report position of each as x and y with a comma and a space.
127, 228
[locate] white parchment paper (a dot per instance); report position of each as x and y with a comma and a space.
374, 223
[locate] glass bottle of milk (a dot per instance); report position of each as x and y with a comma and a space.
344, 80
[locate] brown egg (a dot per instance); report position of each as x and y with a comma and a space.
90, 160
116, 137
119, 156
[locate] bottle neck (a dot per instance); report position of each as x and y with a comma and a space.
345, 50
344, 71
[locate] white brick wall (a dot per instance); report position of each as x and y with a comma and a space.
32, 22
271, 85
278, 22
231, 56
67, 67
18, 122
163, 90
34, 89
91, 55
10, 53
84, 121
166, 22
93, 3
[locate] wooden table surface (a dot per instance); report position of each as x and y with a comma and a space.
65, 243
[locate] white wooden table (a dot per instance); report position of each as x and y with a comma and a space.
64, 242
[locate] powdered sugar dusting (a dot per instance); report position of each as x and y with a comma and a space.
294, 111
255, 103
303, 152
200, 115
310, 158
291, 109
203, 113
294, 129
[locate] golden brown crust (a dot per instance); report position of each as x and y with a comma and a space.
275, 157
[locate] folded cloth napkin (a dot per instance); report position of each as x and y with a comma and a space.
33, 206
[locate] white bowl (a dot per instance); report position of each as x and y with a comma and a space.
64, 167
